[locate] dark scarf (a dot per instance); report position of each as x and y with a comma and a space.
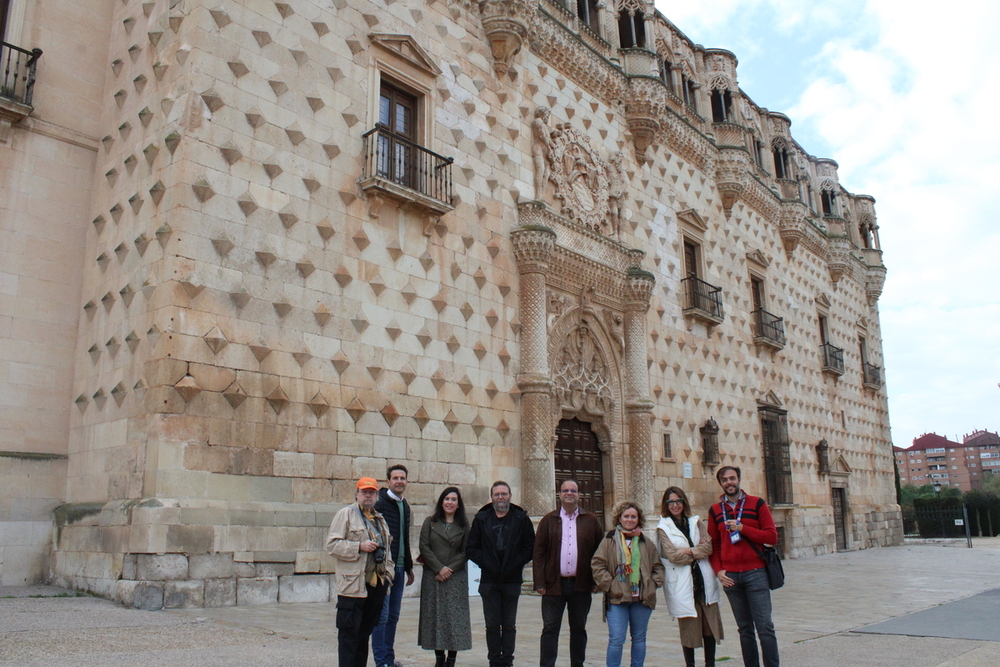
698, 579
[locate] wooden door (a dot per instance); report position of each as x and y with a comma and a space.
840, 518
578, 457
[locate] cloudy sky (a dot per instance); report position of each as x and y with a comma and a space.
904, 97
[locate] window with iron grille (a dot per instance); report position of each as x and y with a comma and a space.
667, 449
777, 455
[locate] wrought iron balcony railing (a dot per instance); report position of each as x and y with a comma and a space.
873, 376
402, 169
770, 329
702, 301
17, 73
833, 359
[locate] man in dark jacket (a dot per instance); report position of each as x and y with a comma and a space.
566, 541
500, 543
396, 512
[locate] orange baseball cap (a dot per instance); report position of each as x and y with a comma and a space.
367, 483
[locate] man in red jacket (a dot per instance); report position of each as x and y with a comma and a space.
735, 521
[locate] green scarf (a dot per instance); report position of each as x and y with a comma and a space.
630, 559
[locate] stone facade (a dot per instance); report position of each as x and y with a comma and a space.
264, 294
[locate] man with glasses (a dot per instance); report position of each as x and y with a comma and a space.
566, 541
500, 543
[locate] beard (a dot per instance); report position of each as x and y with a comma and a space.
501, 506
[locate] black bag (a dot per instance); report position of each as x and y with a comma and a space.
775, 572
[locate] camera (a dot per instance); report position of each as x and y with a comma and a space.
379, 554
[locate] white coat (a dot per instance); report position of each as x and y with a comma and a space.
679, 585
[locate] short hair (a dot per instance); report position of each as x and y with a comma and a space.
497, 483
459, 513
678, 491
628, 505
398, 466
570, 479
723, 469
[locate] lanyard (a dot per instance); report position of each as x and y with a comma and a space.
739, 514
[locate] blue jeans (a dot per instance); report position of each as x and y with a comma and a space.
750, 599
632, 616
384, 635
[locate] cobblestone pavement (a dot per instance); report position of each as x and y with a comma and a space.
826, 597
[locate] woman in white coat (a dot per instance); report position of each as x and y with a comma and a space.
691, 588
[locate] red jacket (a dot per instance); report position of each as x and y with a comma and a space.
758, 525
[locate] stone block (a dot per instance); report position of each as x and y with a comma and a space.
211, 566
257, 591
129, 566
148, 597
220, 592
162, 567
125, 591
304, 588
293, 464
274, 569
183, 594
245, 570
190, 539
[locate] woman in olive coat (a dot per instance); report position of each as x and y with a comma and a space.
445, 627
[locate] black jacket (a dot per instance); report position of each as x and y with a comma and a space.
482, 550
387, 507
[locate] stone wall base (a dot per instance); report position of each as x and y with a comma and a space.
809, 530
163, 553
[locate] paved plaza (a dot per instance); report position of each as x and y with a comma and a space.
922, 601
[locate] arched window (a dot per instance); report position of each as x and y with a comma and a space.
690, 93
667, 74
781, 163
829, 201
722, 105
632, 29
587, 10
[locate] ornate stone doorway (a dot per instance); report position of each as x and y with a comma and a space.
578, 456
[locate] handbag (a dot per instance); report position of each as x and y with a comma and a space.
772, 563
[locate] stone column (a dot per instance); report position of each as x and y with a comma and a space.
638, 406
533, 247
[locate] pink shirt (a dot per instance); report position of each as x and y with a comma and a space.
568, 549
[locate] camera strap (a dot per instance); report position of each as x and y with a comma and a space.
373, 530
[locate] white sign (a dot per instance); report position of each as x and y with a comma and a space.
688, 471
959, 522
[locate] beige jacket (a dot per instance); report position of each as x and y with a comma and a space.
605, 564
343, 542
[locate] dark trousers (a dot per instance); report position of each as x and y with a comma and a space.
356, 618
553, 604
750, 599
500, 613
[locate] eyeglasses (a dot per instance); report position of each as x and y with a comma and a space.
675, 502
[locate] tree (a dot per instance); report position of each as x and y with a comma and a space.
991, 483
909, 492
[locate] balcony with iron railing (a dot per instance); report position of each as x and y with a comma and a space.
769, 329
398, 168
17, 81
833, 359
873, 377
702, 301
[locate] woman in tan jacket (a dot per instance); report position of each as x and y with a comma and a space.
627, 568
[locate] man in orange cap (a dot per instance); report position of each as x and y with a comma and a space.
359, 539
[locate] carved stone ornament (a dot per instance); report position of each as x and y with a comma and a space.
505, 23
581, 374
582, 178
